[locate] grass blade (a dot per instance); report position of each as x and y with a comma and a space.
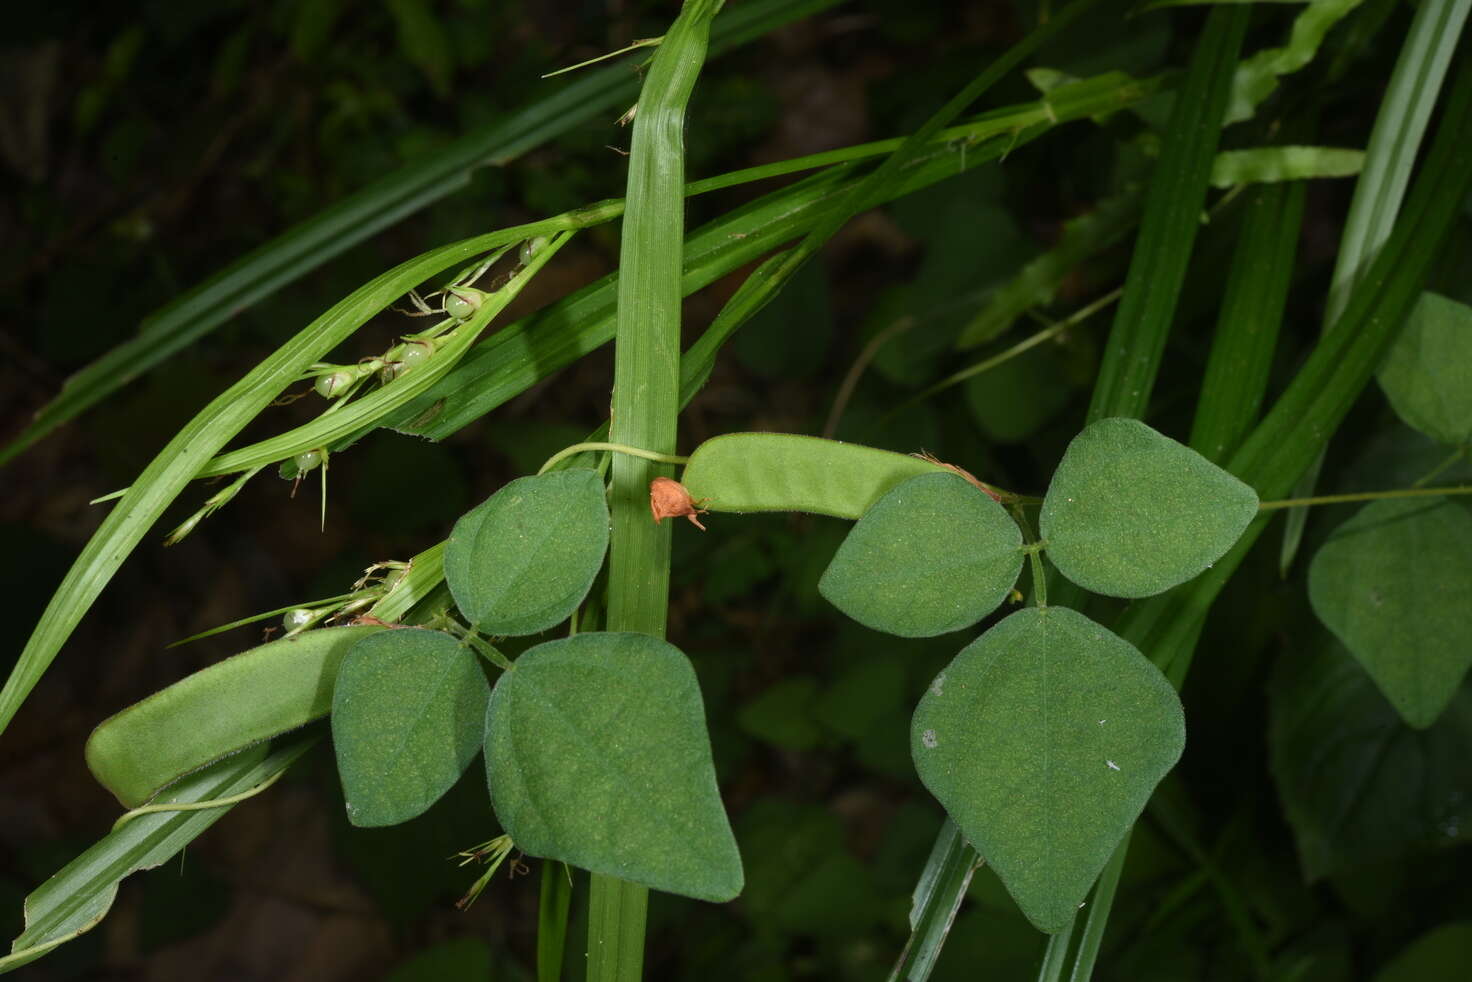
1289, 438
1172, 216
646, 393
1252, 312
552, 910
74, 900
192, 448
1400, 126
304, 247
938, 895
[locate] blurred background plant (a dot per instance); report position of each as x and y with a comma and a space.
146, 146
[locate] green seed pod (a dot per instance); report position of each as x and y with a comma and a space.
334, 384
415, 353
462, 302
218, 711
530, 248
307, 460
295, 620
746, 472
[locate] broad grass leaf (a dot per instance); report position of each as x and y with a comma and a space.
522, 560
1427, 376
1131, 513
1043, 739
1394, 584
1358, 786
407, 717
935, 554
597, 755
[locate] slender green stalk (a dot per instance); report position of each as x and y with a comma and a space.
1026, 344
192, 806
577, 448
1339, 499
552, 910
646, 400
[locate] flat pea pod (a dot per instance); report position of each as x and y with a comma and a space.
218, 711
742, 472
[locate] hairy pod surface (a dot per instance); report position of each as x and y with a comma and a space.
742, 472
218, 711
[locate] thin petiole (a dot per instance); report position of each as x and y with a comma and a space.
1034, 550
194, 806
577, 448
1339, 499
1451, 459
634, 46
987, 364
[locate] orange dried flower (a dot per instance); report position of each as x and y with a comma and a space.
669, 499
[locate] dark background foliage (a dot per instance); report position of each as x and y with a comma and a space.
145, 145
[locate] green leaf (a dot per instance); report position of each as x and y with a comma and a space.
1257, 77
76, 898
1012, 401
407, 717
1043, 740
1263, 165
597, 755
783, 715
1395, 585
1441, 953
1427, 376
522, 560
934, 554
1131, 512
466, 958
1358, 786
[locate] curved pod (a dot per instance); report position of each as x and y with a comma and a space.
741, 472
218, 711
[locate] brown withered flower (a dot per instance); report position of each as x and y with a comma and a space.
669, 499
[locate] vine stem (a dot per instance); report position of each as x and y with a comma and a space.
194, 806
577, 448
1338, 499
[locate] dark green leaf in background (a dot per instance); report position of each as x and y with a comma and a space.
407, 717
465, 959
1130, 512
522, 560
1428, 373
935, 554
1043, 739
1443, 953
597, 755
1358, 786
1394, 584
783, 714
1013, 400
